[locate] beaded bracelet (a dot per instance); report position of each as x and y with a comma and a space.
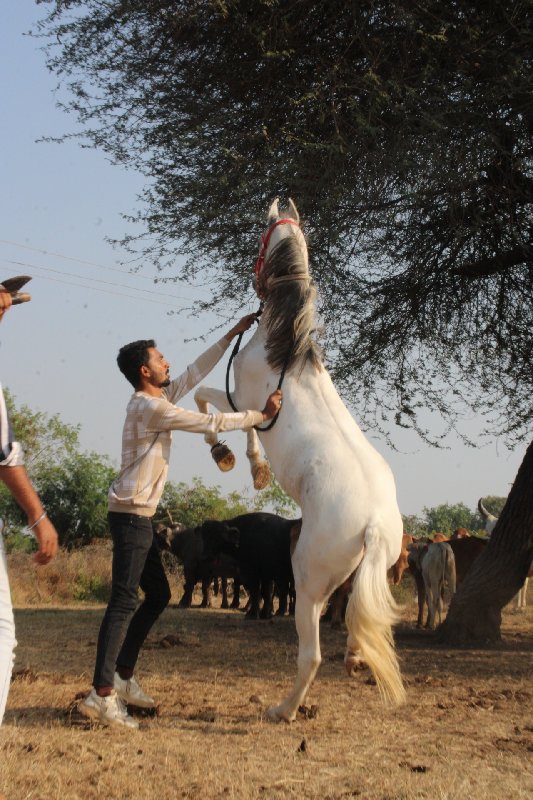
39, 519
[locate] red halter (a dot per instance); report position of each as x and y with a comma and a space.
265, 239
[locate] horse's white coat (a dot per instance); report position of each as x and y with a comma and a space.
347, 497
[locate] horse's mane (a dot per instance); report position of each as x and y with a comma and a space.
290, 309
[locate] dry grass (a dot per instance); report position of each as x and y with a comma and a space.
78, 576
467, 730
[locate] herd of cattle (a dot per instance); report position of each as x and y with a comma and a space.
254, 551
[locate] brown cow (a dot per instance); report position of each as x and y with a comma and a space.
397, 569
460, 533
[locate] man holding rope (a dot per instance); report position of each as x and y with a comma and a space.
151, 417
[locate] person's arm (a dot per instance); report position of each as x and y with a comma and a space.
242, 325
167, 417
203, 365
17, 481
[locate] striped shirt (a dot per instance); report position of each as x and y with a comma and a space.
11, 454
147, 435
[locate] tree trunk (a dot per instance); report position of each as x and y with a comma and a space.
499, 572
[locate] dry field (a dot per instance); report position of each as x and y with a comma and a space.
467, 731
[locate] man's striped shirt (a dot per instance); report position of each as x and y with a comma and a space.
147, 436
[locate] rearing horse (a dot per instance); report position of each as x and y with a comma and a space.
346, 491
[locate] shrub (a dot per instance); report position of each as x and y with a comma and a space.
20, 542
90, 588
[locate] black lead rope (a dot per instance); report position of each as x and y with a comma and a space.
281, 377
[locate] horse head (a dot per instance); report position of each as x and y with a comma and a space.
283, 256
284, 284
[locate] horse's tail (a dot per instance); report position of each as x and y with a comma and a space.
370, 615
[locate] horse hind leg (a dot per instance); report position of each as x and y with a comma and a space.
221, 453
307, 624
353, 661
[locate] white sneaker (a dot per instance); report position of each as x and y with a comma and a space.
131, 693
108, 710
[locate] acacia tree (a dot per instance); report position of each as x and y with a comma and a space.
402, 130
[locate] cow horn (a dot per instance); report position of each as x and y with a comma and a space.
482, 510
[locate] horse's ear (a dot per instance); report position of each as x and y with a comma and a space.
293, 212
273, 212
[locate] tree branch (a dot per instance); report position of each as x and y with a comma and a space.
498, 263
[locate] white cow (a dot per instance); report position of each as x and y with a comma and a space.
490, 519
438, 571
521, 597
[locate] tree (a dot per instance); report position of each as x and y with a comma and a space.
446, 518
403, 131
273, 497
74, 492
192, 505
414, 525
45, 439
73, 486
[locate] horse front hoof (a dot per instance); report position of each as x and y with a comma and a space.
277, 714
223, 457
262, 476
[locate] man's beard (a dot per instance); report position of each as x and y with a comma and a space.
166, 382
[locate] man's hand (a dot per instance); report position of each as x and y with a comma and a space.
46, 535
272, 405
5, 302
243, 325
17, 481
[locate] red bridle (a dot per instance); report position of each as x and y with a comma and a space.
265, 239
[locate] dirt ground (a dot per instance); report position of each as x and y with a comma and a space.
466, 732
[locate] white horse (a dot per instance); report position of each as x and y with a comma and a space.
321, 458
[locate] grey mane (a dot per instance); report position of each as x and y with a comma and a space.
289, 310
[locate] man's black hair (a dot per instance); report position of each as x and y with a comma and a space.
132, 357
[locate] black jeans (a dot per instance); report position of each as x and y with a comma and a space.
136, 562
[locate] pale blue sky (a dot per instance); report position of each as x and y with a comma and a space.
57, 353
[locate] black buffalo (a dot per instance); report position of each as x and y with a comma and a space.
206, 556
261, 546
